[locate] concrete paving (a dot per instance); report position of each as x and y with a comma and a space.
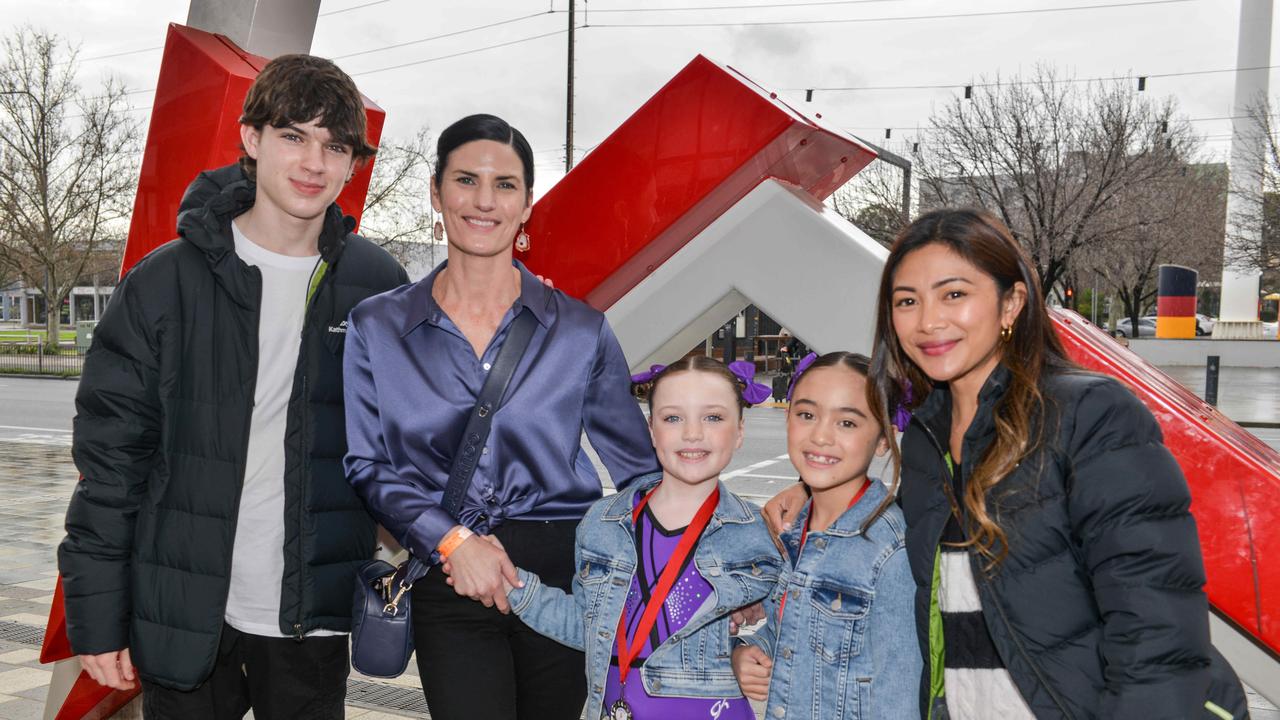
37, 476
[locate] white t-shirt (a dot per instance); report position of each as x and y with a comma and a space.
257, 562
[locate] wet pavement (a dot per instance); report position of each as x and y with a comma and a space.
37, 476
1246, 395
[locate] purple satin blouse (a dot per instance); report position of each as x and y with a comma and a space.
411, 378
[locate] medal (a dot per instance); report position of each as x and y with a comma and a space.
620, 710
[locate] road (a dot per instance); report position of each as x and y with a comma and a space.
40, 411
36, 410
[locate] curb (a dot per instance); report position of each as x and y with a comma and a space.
38, 376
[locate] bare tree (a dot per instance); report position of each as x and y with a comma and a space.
1050, 155
1173, 220
1254, 240
872, 200
397, 210
68, 169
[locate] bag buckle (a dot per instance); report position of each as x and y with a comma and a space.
391, 606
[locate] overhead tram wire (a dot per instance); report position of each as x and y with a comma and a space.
1012, 83
353, 7
161, 47
897, 18
454, 33
552, 10
708, 8
460, 54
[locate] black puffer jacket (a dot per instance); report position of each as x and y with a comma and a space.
161, 437
1098, 610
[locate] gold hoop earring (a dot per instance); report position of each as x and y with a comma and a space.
437, 231
1006, 333
522, 240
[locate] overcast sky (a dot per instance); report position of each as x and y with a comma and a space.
788, 46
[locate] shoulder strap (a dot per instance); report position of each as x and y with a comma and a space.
481, 418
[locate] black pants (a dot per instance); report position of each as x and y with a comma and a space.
479, 664
277, 677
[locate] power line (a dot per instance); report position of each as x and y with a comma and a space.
353, 7
119, 54
1210, 72
438, 37
899, 18
1012, 83
738, 7
161, 47
459, 54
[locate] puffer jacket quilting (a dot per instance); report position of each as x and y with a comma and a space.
1098, 610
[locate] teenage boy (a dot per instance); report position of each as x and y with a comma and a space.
212, 543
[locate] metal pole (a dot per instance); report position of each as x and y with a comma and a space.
901, 162
906, 192
1211, 380
568, 117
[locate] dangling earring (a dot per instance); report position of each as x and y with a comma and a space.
522, 240
437, 231
1006, 333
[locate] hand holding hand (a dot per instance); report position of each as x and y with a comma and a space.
478, 568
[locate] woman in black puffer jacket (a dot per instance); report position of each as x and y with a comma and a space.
1057, 564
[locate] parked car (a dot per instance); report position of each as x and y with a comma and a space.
1204, 324
1146, 328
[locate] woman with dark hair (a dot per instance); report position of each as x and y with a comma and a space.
1057, 565
416, 359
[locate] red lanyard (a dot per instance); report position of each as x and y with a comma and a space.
665, 581
804, 534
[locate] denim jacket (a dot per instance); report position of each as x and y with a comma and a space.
735, 555
845, 647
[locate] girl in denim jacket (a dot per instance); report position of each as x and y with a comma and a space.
839, 640
662, 564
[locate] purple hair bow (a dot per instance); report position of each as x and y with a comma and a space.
644, 377
801, 366
901, 415
753, 392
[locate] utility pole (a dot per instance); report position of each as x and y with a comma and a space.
568, 117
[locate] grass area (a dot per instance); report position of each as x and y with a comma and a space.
32, 371
34, 335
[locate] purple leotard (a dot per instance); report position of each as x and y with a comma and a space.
654, 545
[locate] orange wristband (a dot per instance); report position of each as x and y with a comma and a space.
452, 540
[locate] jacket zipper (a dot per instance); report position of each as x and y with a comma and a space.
1017, 641
297, 625
313, 295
